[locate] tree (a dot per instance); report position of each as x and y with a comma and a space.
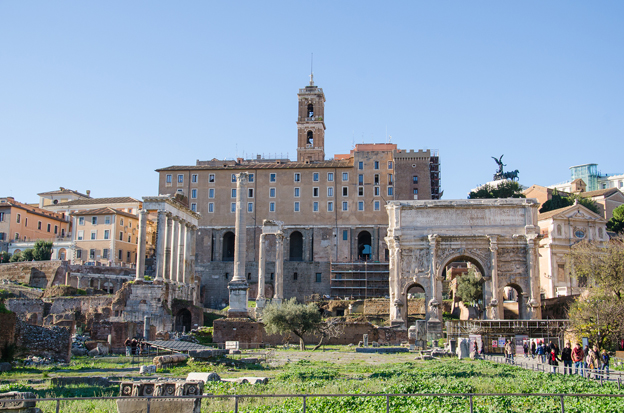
599, 312
16, 257
616, 224
506, 189
557, 201
4, 257
291, 317
470, 287
28, 255
43, 250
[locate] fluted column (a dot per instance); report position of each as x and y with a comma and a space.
261, 269
396, 295
187, 254
182, 251
279, 267
168, 241
175, 237
140, 259
434, 303
161, 235
494, 304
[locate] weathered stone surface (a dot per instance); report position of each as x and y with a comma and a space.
18, 402
157, 389
53, 343
205, 377
4, 366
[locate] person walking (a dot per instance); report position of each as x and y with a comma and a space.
566, 357
605, 362
585, 355
509, 352
533, 349
554, 359
577, 358
541, 352
593, 362
525, 348
128, 347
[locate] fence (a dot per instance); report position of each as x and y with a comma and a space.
304, 397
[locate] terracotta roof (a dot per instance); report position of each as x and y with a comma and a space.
98, 201
269, 165
601, 192
34, 210
554, 212
64, 191
105, 211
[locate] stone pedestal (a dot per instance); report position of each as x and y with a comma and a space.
238, 299
434, 330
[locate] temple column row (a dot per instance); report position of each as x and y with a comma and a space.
279, 268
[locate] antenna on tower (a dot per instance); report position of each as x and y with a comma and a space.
311, 69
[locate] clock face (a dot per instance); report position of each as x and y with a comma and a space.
579, 233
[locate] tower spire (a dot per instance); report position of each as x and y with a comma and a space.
311, 69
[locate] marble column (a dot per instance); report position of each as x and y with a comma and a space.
396, 295
434, 303
533, 311
261, 271
168, 239
161, 237
494, 303
187, 254
279, 267
175, 237
238, 287
182, 251
140, 264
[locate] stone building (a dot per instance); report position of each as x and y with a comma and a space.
332, 210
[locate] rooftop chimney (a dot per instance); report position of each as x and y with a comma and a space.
88, 192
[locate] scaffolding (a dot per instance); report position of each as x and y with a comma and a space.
360, 280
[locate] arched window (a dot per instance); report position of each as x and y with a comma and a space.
296, 246
228, 246
310, 110
310, 137
365, 250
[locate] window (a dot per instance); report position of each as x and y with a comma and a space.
271, 192
93, 234
180, 179
390, 179
390, 191
211, 193
168, 179
194, 207
233, 192
128, 255
376, 164
414, 179
233, 207
295, 276
345, 176
389, 164
315, 206
129, 238
319, 277
120, 235
211, 178
94, 220
315, 191
80, 220
2, 217
376, 179
49, 227
121, 221
271, 177
249, 206
330, 206
17, 236
106, 234
330, 176
107, 220
56, 229
345, 234
251, 177
376, 190
80, 235
129, 224
315, 176
39, 225
296, 192
361, 191
233, 177
105, 253
249, 192
211, 207
120, 254
91, 254
19, 218
194, 193
194, 178
345, 191
297, 206
415, 191
26, 222
360, 179
376, 205
360, 165
330, 191
297, 177
345, 206
361, 206
271, 206
78, 253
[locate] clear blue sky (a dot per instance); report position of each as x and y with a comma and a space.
97, 95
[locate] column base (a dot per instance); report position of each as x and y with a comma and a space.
238, 299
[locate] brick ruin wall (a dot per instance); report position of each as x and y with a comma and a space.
7, 329
54, 342
40, 274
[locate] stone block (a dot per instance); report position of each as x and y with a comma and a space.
205, 377
4, 366
159, 389
18, 402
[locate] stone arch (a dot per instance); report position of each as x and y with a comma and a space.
514, 305
481, 267
310, 138
295, 246
183, 320
364, 245
310, 110
228, 246
62, 254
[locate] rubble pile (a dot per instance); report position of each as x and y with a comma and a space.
78, 345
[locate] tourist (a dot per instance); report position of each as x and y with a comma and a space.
525, 347
533, 349
553, 359
541, 351
577, 358
566, 357
605, 362
127, 344
509, 352
593, 362
133, 344
585, 355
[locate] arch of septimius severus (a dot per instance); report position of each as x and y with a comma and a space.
498, 236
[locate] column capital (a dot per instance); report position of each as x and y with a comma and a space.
433, 238
176, 218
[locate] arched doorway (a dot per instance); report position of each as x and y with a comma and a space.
62, 253
183, 320
416, 308
463, 282
296, 246
513, 306
365, 249
228, 246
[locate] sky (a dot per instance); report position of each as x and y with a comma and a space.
97, 95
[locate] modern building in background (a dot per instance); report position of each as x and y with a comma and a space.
333, 210
594, 179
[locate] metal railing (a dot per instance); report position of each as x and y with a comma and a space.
304, 397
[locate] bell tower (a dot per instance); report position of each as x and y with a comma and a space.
311, 124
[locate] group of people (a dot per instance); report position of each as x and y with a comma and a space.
135, 347
586, 361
